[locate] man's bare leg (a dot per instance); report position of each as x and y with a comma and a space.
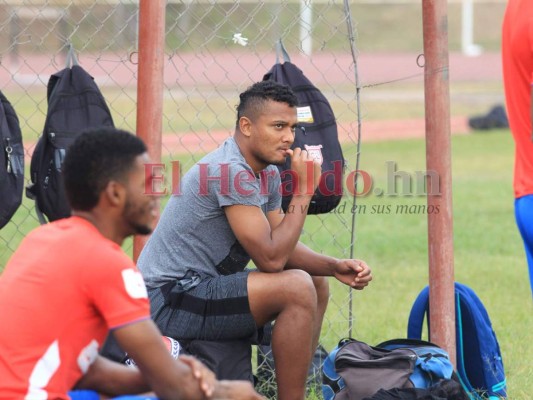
322, 293
290, 298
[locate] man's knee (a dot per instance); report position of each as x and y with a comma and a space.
291, 287
271, 294
299, 287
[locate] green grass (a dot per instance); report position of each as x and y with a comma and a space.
208, 26
404, 26
488, 253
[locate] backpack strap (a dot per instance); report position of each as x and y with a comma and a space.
417, 314
4, 127
40, 215
71, 60
31, 194
460, 292
71, 57
280, 50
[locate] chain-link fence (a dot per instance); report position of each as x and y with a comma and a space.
214, 50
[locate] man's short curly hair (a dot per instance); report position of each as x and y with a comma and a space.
96, 157
256, 95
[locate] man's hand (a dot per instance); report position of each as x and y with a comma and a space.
235, 390
204, 375
308, 172
354, 273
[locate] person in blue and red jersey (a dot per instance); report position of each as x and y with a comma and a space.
517, 61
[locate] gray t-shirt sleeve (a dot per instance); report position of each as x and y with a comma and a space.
236, 184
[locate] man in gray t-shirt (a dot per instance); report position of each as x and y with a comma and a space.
228, 211
193, 233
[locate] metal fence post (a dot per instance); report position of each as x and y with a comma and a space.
150, 84
438, 158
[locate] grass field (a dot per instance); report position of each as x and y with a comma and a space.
487, 247
205, 26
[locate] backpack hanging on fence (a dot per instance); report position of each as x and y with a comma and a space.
479, 361
355, 370
316, 133
74, 104
11, 161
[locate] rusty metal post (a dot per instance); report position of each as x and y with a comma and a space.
439, 177
150, 84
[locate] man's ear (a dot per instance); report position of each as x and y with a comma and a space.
245, 126
115, 193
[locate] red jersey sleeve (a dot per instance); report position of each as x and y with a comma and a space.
116, 287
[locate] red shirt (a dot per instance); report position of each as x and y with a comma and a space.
60, 292
517, 62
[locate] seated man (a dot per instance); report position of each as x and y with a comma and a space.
69, 282
228, 211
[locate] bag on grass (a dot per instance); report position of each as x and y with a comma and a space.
316, 133
75, 104
11, 161
446, 389
355, 370
479, 360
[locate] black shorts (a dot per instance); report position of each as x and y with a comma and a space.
216, 309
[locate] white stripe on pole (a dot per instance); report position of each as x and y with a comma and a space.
306, 23
467, 30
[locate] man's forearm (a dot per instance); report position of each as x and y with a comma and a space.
284, 237
111, 378
314, 263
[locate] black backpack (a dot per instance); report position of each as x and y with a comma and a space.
74, 104
11, 161
316, 133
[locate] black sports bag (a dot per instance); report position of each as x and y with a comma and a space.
316, 133
11, 161
75, 103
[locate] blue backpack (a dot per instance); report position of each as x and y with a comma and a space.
479, 361
432, 363
354, 370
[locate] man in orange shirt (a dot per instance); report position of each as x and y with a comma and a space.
69, 282
517, 60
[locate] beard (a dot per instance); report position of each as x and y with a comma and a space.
134, 215
279, 163
270, 160
141, 229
